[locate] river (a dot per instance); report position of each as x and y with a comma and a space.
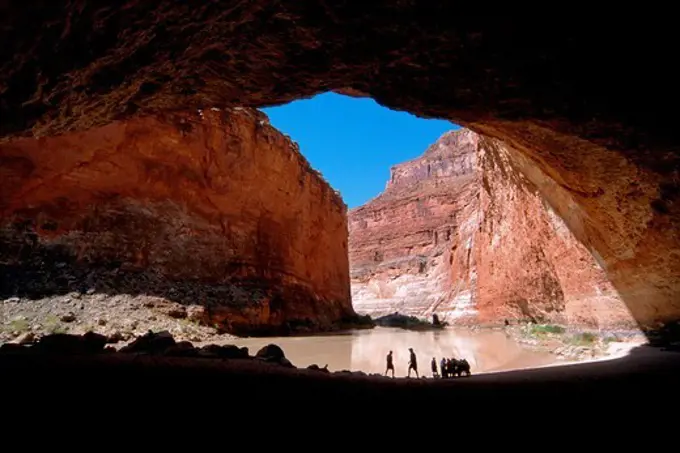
365, 350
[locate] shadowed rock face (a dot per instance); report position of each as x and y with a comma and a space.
584, 105
523, 260
215, 208
461, 232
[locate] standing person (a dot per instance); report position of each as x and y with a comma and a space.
412, 363
390, 364
442, 367
434, 368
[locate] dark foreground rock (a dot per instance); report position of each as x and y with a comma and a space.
89, 343
161, 344
644, 380
273, 353
315, 367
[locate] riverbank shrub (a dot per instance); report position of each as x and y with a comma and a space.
542, 329
584, 338
405, 322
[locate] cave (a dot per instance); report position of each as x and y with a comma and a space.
588, 107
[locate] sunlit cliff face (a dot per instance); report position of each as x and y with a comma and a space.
461, 232
587, 124
211, 208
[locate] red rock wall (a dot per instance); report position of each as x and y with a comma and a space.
508, 254
211, 207
528, 262
400, 241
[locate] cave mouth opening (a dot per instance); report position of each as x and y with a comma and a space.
439, 196
417, 248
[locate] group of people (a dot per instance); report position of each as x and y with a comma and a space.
449, 366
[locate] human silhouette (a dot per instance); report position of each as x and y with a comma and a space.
412, 363
442, 367
434, 368
390, 364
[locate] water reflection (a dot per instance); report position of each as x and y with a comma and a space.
365, 350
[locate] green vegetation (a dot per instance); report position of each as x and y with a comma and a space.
53, 325
542, 329
583, 339
18, 325
406, 322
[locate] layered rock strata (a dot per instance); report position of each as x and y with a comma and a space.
400, 241
214, 207
564, 102
487, 244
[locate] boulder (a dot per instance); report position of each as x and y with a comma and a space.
315, 367
25, 338
229, 351
270, 353
274, 354
151, 343
61, 343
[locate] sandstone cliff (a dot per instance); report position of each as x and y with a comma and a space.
503, 254
564, 101
400, 241
215, 208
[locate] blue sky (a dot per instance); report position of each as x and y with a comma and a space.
353, 142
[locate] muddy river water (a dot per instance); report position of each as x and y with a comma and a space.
365, 350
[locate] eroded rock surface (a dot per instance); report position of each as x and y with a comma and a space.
568, 99
211, 208
528, 264
400, 241
481, 245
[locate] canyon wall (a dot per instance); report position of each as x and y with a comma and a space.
400, 241
505, 253
214, 208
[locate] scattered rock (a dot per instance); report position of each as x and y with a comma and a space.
116, 337
69, 317
25, 338
177, 312
195, 313
104, 315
